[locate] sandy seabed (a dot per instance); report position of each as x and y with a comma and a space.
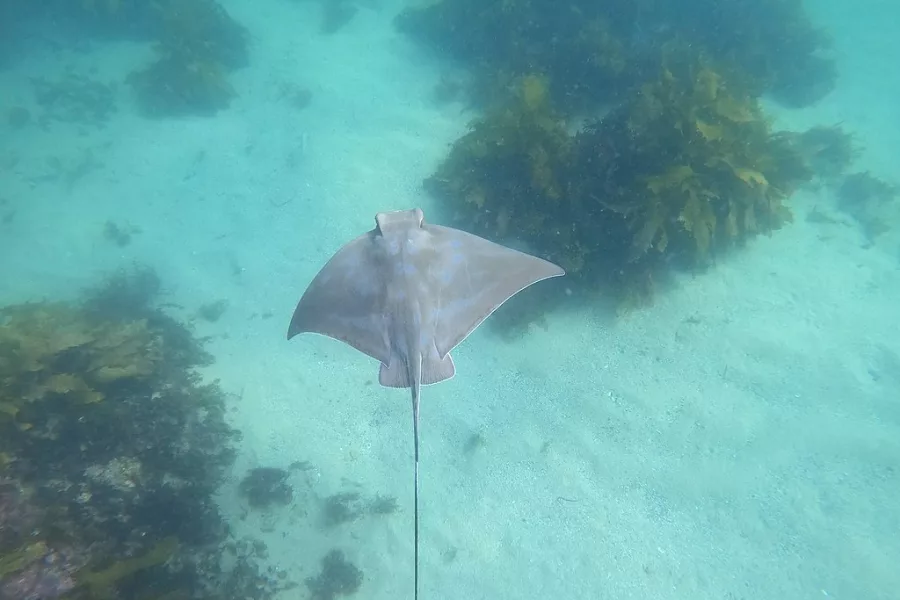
739, 439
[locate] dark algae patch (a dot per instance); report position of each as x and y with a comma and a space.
111, 450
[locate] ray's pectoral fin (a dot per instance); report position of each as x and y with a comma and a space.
344, 301
477, 277
434, 370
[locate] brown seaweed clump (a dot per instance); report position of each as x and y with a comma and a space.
689, 165
611, 142
111, 451
199, 43
685, 167
50, 350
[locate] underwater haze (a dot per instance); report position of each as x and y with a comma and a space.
707, 405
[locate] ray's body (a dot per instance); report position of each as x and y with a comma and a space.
406, 293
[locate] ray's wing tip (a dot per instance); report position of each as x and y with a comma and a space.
298, 323
295, 330
553, 270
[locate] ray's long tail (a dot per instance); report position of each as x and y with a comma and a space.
415, 403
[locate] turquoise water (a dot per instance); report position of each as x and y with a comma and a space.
738, 437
